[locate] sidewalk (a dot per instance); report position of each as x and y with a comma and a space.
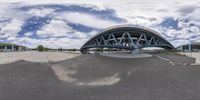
195, 55
34, 56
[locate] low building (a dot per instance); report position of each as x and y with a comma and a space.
195, 47
7, 47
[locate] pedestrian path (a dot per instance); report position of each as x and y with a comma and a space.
34, 56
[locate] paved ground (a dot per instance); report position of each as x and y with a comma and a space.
34, 56
126, 55
94, 77
195, 55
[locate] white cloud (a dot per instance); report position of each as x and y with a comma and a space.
9, 11
12, 28
87, 20
195, 30
40, 12
59, 28
51, 42
28, 34
80, 35
55, 28
180, 42
147, 13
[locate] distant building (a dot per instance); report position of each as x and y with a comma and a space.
6, 47
195, 47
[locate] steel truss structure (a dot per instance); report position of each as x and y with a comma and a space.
126, 37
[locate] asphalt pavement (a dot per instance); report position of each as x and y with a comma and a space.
95, 77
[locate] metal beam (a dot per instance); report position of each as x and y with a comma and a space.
126, 40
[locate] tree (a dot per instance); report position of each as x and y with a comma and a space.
60, 49
40, 48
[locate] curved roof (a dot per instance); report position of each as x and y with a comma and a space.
128, 27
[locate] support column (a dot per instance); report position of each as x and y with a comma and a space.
5, 48
181, 48
12, 48
135, 51
190, 49
101, 50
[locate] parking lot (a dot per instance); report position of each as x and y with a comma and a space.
96, 77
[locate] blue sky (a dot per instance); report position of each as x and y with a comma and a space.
68, 24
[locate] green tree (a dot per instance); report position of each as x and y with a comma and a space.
46, 49
40, 48
60, 49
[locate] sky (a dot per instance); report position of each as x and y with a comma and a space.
70, 23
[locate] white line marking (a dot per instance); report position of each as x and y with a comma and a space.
163, 58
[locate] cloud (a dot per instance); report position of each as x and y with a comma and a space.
59, 28
51, 42
11, 29
40, 12
187, 9
87, 20
194, 29
55, 28
28, 34
66, 18
180, 42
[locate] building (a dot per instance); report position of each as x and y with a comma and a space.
127, 37
194, 47
7, 47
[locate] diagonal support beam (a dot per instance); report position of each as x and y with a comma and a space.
127, 36
111, 37
102, 40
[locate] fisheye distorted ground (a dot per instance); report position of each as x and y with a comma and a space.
96, 77
68, 24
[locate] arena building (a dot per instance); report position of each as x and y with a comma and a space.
126, 37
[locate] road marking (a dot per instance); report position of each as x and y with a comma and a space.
163, 58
